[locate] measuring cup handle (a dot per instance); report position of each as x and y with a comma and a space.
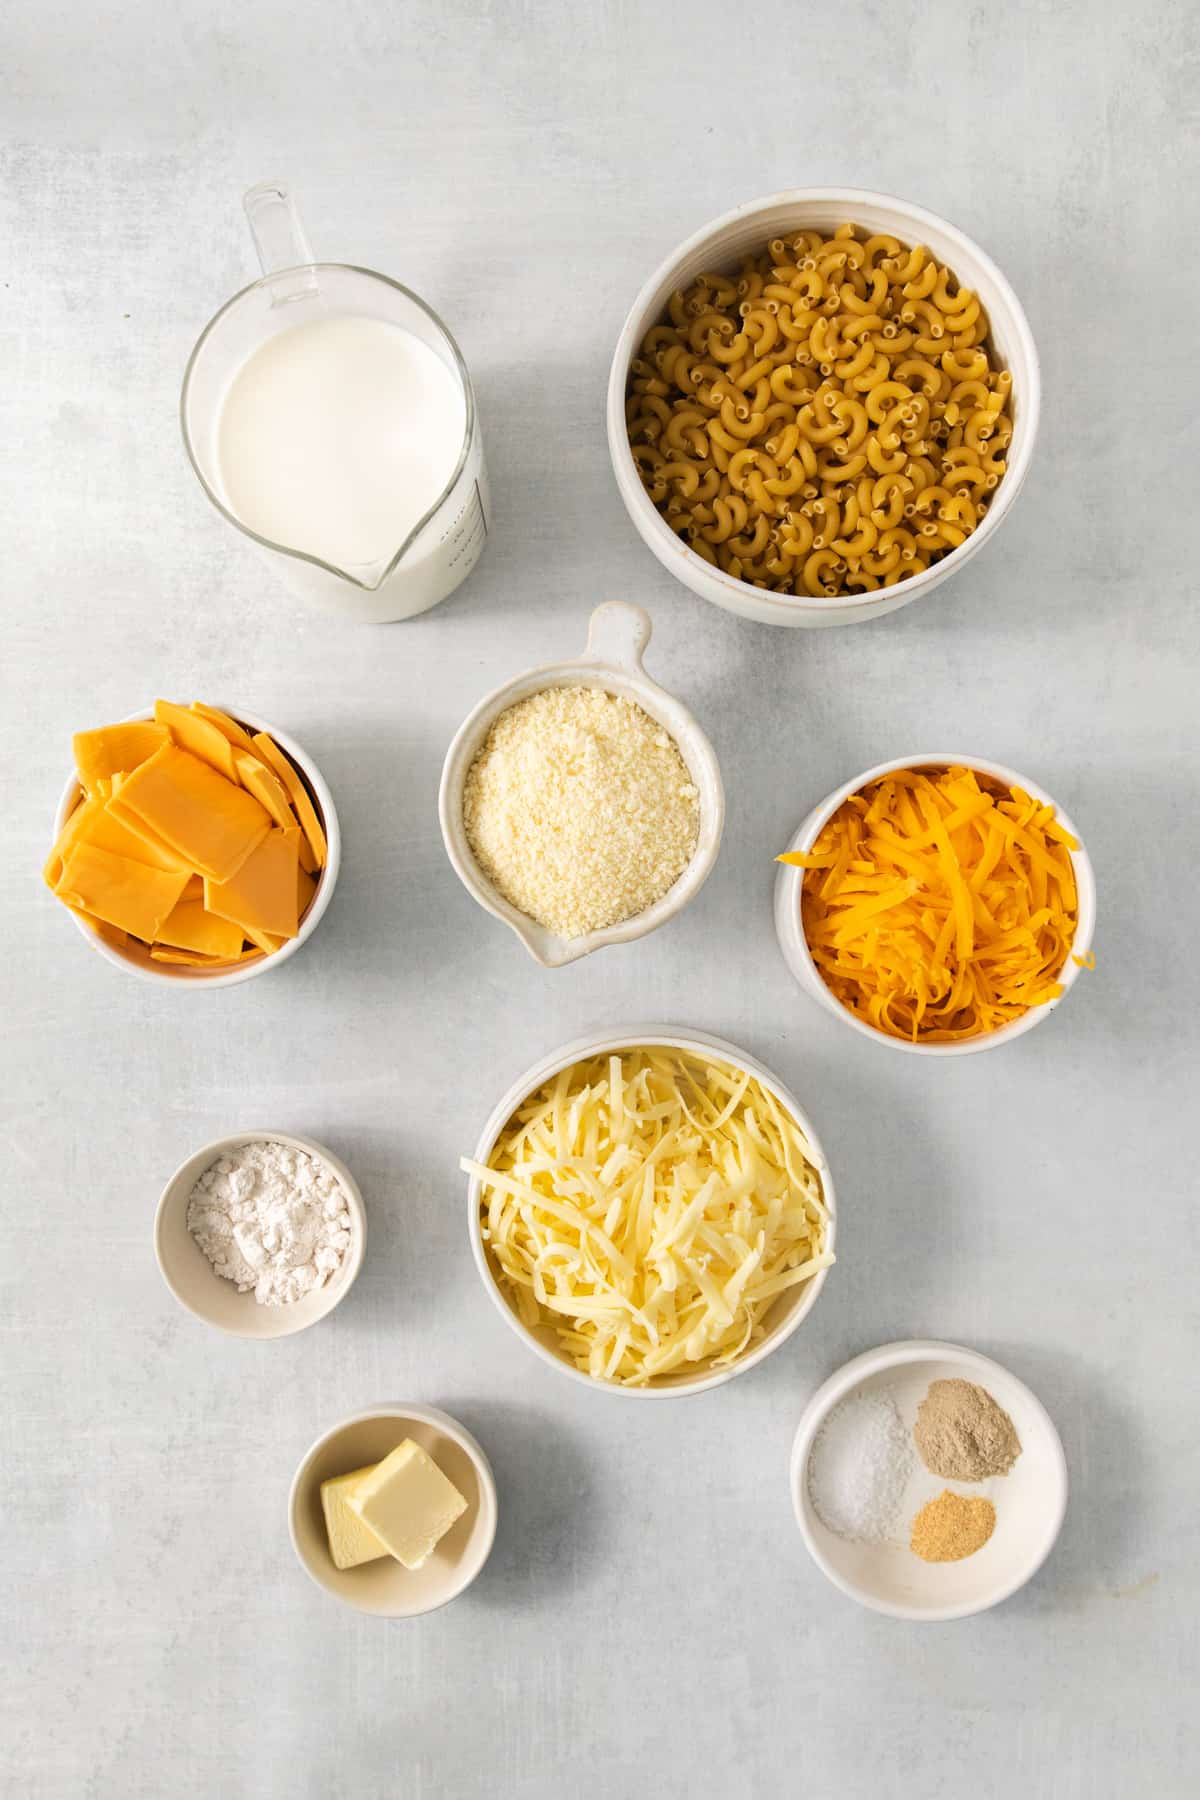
280, 238
618, 633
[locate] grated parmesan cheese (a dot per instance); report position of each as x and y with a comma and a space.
580, 809
649, 1209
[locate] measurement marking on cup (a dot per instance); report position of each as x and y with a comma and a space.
469, 538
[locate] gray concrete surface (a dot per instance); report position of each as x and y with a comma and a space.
650, 1623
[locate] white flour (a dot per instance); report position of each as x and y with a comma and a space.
271, 1218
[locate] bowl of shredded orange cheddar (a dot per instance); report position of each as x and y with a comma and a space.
938, 903
194, 845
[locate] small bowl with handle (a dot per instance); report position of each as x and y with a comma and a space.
618, 634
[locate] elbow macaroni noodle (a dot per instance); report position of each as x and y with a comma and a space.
829, 421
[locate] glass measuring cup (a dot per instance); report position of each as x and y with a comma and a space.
431, 557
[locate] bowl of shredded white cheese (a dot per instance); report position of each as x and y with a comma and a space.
651, 1211
261, 1234
581, 803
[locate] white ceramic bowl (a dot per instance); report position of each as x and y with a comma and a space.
385, 1587
792, 1307
617, 637
720, 245
790, 929
209, 1296
1030, 1501
139, 962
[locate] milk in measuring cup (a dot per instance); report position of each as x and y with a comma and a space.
336, 436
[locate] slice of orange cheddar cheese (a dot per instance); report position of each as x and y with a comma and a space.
306, 812
238, 736
261, 781
192, 839
306, 887
115, 749
198, 735
190, 926
127, 894
92, 823
262, 895
138, 828
265, 941
198, 812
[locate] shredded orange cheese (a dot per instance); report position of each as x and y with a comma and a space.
939, 905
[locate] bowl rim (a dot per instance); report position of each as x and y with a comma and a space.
424, 1415
794, 945
332, 1292
618, 633
672, 550
670, 1037
894, 1356
229, 977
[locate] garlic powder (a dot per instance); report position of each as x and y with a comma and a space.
579, 809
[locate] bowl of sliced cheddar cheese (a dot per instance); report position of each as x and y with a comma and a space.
939, 904
651, 1211
194, 845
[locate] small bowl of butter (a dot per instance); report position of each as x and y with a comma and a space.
393, 1511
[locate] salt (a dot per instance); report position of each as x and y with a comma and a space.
859, 1466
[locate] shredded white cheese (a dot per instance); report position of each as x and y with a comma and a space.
580, 809
650, 1208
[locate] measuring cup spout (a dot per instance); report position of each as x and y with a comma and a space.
369, 575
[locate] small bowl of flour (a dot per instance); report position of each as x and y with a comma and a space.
261, 1234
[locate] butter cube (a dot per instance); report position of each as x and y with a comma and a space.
407, 1503
350, 1541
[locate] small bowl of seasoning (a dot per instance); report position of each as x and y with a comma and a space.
261, 1234
581, 803
937, 904
928, 1482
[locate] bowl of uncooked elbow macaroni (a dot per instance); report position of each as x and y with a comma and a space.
821, 406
